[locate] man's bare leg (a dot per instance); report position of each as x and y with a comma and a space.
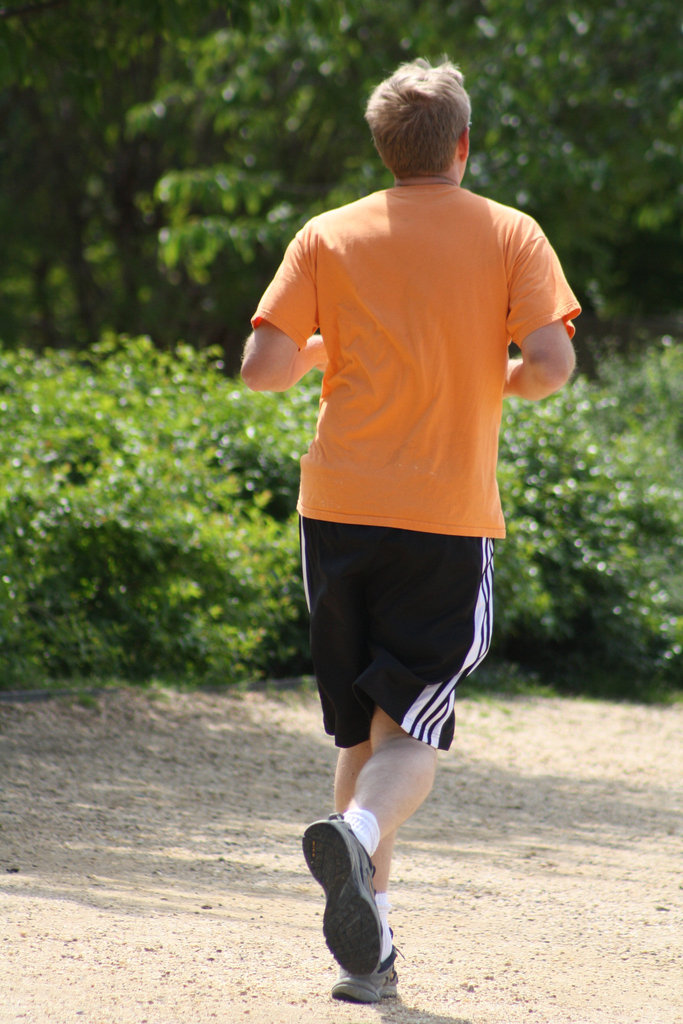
395, 783
398, 776
350, 762
390, 775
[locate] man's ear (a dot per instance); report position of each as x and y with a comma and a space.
462, 148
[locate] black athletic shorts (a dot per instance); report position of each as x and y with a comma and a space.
397, 617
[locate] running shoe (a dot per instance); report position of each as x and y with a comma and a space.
351, 922
368, 988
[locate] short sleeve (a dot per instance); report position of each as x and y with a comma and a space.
538, 290
290, 301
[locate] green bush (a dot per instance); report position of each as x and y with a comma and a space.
135, 534
589, 583
147, 523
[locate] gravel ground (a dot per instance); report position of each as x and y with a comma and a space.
150, 866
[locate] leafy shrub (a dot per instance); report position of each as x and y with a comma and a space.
589, 583
133, 533
147, 523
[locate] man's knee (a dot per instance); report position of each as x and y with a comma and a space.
385, 730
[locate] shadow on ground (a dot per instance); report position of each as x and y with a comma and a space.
195, 793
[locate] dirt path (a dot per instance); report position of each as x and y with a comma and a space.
150, 870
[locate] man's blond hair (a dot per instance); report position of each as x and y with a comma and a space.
416, 117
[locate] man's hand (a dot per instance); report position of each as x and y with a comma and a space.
272, 361
547, 363
315, 350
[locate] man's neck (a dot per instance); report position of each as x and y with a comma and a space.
427, 179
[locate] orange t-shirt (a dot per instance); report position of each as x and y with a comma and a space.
417, 291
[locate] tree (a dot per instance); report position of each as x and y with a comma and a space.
157, 157
80, 235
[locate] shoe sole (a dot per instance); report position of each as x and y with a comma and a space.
351, 924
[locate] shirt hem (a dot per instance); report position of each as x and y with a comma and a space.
566, 314
396, 522
283, 325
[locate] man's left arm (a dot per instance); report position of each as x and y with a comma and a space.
272, 361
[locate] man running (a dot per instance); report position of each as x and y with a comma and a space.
417, 292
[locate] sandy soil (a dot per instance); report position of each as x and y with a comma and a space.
150, 868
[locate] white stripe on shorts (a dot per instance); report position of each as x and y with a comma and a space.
304, 564
427, 715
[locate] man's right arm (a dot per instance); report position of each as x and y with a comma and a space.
547, 363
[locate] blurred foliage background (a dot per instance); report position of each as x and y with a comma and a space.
147, 526
155, 158
157, 155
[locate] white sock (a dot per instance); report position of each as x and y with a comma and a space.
365, 828
383, 906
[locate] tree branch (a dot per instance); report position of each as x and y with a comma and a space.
24, 12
